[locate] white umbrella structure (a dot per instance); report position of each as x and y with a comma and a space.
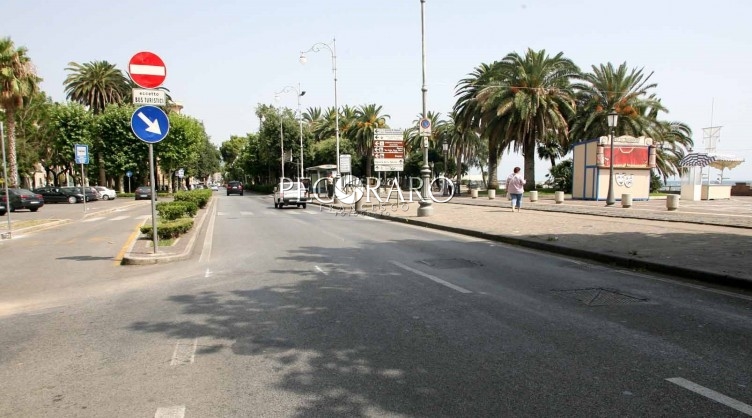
697, 159
723, 162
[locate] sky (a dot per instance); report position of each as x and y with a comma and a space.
224, 57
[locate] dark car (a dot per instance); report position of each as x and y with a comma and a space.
3, 209
234, 187
144, 193
91, 194
23, 199
60, 194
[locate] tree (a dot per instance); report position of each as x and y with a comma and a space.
532, 98
18, 82
95, 85
69, 124
367, 119
122, 150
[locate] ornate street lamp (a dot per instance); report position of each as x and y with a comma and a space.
299, 93
613, 120
333, 50
425, 208
445, 149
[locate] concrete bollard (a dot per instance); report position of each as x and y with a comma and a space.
492, 193
672, 201
559, 197
474, 193
534, 196
626, 200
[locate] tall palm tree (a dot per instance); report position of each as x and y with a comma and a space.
534, 97
18, 83
95, 85
368, 118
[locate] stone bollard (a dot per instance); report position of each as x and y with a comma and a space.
492, 193
474, 193
626, 200
672, 201
534, 196
559, 197
359, 204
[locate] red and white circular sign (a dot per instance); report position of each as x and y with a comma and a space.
147, 70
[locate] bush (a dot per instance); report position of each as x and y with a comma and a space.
169, 229
198, 196
170, 211
260, 188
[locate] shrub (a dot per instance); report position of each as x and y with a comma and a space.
198, 196
169, 229
170, 211
261, 188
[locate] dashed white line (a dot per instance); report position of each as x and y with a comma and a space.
170, 412
711, 394
433, 278
322, 271
99, 218
246, 213
207, 274
184, 353
120, 218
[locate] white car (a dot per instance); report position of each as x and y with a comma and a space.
214, 188
106, 193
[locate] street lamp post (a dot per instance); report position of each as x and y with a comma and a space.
333, 50
299, 116
281, 142
425, 208
613, 120
445, 149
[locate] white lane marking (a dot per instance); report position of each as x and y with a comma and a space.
245, 213
434, 278
170, 412
144, 217
184, 353
94, 219
711, 394
120, 218
221, 213
207, 274
322, 271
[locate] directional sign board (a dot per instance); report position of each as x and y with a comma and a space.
345, 163
82, 153
388, 150
149, 97
147, 70
150, 124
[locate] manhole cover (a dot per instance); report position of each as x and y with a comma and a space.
600, 297
450, 263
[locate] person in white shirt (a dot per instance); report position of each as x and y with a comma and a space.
515, 188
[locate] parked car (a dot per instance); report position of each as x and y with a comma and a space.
106, 193
91, 194
3, 209
53, 194
144, 193
23, 199
214, 188
289, 193
234, 187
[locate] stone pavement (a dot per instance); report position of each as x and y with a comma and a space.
709, 241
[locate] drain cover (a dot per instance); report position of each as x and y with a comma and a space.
450, 263
597, 296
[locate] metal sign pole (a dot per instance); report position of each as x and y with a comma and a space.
83, 181
153, 198
5, 182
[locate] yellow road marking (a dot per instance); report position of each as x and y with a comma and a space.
127, 245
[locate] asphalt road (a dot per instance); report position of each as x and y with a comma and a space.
297, 312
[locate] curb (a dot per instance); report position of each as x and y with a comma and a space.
163, 258
630, 263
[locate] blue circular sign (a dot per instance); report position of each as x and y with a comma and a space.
150, 124
425, 123
128, 173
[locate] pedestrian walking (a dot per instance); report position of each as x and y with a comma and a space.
515, 188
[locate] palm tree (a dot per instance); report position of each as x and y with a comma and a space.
550, 149
96, 84
533, 97
18, 83
368, 118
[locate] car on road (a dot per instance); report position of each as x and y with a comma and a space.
23, 199
214, 188
91, 194
290, 193
234, 187
144, 193
3, 209
52, 194
106, 193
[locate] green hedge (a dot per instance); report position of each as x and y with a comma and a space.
170, 211
169, 229
198, 196
260, 188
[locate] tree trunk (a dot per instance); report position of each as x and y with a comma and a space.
10, 119
529, 154
102, 171
369, 160
493, 165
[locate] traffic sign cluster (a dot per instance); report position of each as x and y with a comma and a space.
149, 123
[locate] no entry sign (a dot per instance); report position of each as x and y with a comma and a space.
147, 70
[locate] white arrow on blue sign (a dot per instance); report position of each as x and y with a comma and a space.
150, 124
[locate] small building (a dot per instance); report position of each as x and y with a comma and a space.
632, 160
